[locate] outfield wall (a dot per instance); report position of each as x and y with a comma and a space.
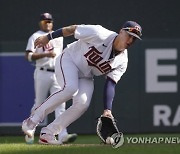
147, 96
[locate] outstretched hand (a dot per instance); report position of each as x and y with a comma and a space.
41, 41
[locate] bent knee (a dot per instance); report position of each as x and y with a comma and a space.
72, 90
81, 107
82, 102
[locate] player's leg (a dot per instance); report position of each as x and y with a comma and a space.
63, 137
61, 108
67, 74
42, 84
80, 104
41, 92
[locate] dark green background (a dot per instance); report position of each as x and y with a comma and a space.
19, 18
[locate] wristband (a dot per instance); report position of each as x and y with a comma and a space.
30, 56
49, 36
55, 34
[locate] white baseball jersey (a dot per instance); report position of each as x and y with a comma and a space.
91, 53
88, 56
55, 44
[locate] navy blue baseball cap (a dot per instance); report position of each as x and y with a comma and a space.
133, 28
46, 16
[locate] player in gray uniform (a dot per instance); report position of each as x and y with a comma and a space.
98, 51
45, 82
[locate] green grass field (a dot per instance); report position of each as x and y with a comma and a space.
88, 144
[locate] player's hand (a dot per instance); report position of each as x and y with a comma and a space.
41, 41
107, 113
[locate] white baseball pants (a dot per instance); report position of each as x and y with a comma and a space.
73, 87
45, 83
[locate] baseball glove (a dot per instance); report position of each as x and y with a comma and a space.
107, 128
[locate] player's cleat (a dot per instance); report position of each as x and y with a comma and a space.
48, 139
69, 138
28, 127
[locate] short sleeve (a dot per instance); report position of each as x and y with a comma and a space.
117, 73
93, 34
30, 44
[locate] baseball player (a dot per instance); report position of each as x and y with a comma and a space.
97, 51
45, 82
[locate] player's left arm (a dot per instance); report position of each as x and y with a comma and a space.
109, 89
106, 128
109, 93
65, 32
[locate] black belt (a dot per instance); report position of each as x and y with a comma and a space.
47, 69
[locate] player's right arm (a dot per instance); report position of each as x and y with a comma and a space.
65, 31
32, 56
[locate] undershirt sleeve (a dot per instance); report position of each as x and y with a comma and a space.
109, 93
